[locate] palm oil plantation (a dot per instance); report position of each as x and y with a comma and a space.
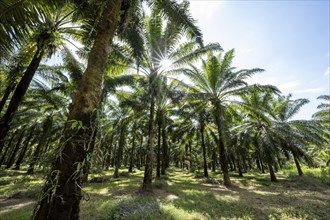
144, 120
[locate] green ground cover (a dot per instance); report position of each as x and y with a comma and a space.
180, 195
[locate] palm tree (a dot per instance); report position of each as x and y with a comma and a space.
323, 117
323, 113
18, 19
257, 129
216, 85
65, 179
296, 134
50, 35
163, 44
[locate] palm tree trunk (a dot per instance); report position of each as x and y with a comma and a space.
279, 162
23, 150
214, 160
147, 179
222, 149
190, 156
19, 93
64, 179
159, 124
206, 174
113, 158
132, 156
165, 150
119, 155
258, 163
296, 160
109, 149
231, 164
43, 139
240, 173
271, 172
5, 96
139, 157
7, 149
13, 154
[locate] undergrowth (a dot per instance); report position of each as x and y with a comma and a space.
182, 195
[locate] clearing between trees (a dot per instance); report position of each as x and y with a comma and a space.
181, 195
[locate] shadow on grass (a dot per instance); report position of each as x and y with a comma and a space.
181, 196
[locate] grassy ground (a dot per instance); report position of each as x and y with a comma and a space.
181, 196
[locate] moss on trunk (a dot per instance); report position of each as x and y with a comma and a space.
62, 192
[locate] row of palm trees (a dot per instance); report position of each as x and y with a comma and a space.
121, 97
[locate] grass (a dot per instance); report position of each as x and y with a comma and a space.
180, 195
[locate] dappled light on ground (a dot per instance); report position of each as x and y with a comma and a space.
181, 196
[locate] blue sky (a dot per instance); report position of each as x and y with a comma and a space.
289, 39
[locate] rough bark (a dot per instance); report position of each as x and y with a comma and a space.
19, 93
62, 192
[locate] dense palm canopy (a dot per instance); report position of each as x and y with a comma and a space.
133, 90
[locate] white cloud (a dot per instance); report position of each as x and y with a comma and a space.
327, 72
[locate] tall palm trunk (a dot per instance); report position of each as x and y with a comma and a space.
120, 149
214, 160
271, 172
5, 96
23, 150
190, 156
19, 93
140, 154
240, 173
147, 179
62, 192
222, 149
165, 157
202, 126
42, 142
296, 161
109, 152
159, 127
7, 149
131, 159
15, 150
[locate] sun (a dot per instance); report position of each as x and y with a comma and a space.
165, 63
